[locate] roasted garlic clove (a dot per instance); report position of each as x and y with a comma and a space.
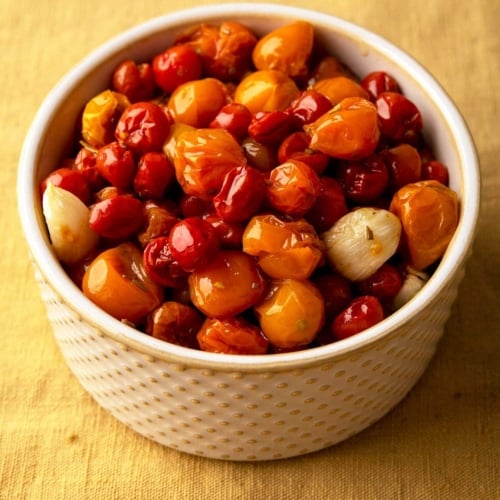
412, 284
67, 219
361, 241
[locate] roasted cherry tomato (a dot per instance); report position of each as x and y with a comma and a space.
292, 188
339, 87
270, 127
284, 249
241, 194
176, 65
228, 285
117, 218
403, 165
377, 82
159, 220
429, 215
117, 283
154, 175
100, 117
296, 147
292, 313
193, 242
286, 49
308, 107
233, 117
225, 50
135, 81
384, 283
203, 157
175, 323
337, 293
328, 67
435, 170
85, 163
266, 90
399, 118
261, 156
362, 313
197, 102
143, 127
231, 336
70, 180
349, 131
115, 163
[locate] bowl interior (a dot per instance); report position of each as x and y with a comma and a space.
53, 131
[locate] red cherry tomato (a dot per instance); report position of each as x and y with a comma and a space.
85, 163
403, 164
154, 175
116, 163
142, 127
363, 181
377, 82
362, 313
399, 118
233, 117
337, 293
308, 107
135, 81
436, 171
70, 180
176, 65
269, 126
296, 146
241, 194
193, 242
384, 284
160, 266
117, 218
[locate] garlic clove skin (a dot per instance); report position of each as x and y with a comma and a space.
67, 219
361, 241
412, 284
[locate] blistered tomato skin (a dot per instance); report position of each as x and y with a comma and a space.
193, 242
241, 195
231, 336
117, 283
176, 65
292, 188
270, 127
429, 216
362, 313
284, 249
203, 157
142, 127
286, 49
308, 107
233, 117
135, 81
349, 131
158, 221
228, 285
296, 147
117, 218
292, 313
85, 163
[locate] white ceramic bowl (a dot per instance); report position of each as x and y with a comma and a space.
247, 407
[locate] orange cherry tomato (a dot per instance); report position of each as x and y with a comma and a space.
293, 187
100, 117
203, 157
348, 131
428, 211
117, 282
284, 249
340, 87
328, 67
227, 286
231, 336
287, 49
266, 90
292, 313
225, 50
197, 102
176, 129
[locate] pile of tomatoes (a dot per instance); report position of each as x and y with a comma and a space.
212, 172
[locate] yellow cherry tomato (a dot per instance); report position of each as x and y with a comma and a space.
266, 90
292, 313
285, 49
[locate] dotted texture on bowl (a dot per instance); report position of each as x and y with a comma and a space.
247, 416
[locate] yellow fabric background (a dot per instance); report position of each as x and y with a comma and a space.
441, 442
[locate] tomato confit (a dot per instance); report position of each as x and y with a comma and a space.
249, 195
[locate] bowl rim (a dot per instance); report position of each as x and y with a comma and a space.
84, 309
